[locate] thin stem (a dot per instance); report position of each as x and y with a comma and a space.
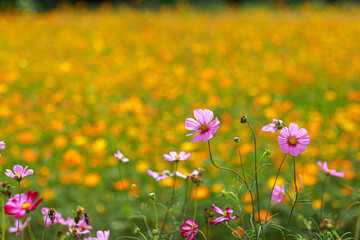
18, 225
202, 234
277, 175
336, 234
30, 231
3, 217
43, 235
357, 229
143, 235
195, 207
296, 198
256, 172
171, 201
186, 196
233, 230
238, 202
322, 196
156, 218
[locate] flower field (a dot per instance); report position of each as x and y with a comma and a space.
78, 85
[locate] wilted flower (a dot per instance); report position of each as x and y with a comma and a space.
204, 126
120, 156
160, 176
190, 229
50, 216
292, 140
21, 226
182, 156
278, 193
22, 206
332, 172
19, 172
226, 215
274, 126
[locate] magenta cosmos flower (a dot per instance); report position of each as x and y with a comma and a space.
120, 156
226, 215
278, 193
274, 126
194, 173
101, 235
21, 226
204, 126
292, 140
190, 229
160, 176
19, 172
332, 172
173, 156
26, 204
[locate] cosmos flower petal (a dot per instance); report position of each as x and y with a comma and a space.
198, 113
185, 227
192, 124
208, 116
192, 133
198, 137
186, 234
217, 209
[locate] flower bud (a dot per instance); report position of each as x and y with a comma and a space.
326, 224
167, 172
267, 152
237, 139
136, 229
155, 232
243, 119
86, 218
152, 196
133, 186
51, 215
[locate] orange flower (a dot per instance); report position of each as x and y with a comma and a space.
262, 215
201, 192
122, 184
92, 179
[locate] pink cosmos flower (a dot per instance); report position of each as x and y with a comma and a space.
160, 176
226, 215
182, 156
120, 156
74, 229
204, 126
19, 172
47, 220
21, 226
278, 193
2, 145
67, 222
190, 229
194, 173
332, 172
101, 235
274, 126
26, 204
292, 140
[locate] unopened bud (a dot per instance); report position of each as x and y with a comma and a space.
155, 232
167, 172
267, 152
152, 196
326, 224
136, 229
51, 214
243, 119
133, 186
86, 218
236, 139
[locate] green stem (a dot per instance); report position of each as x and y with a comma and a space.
256, 172
232, 229
277, 175
30, 231
45, 226
336, 234
143, 235
195, 207
3, 217
296, 198
357, 229
18, 225
171, 200
156, 218
202, 234
186, 196
322, 196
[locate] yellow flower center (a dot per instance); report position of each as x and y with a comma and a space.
292, 140
84, 226
26, 205
204, 127
192, 228
177, 156
18, 175
226, 214
74, 229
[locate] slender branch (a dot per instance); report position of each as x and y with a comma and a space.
277, 175
195, 207
202, 234
171, 201
296, 198
18, 225
156, 218
256, 172
3, 217
322, 196
43, 235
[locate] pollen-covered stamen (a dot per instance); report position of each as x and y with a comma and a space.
26, 205
74, 229
17, 175
204, 127
292, 140
177, 156
192, 228
226, 214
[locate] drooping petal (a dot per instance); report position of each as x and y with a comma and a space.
219, 220
217, 209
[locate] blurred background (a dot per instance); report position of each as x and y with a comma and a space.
81, 80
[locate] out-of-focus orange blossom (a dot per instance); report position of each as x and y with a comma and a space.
201, 192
